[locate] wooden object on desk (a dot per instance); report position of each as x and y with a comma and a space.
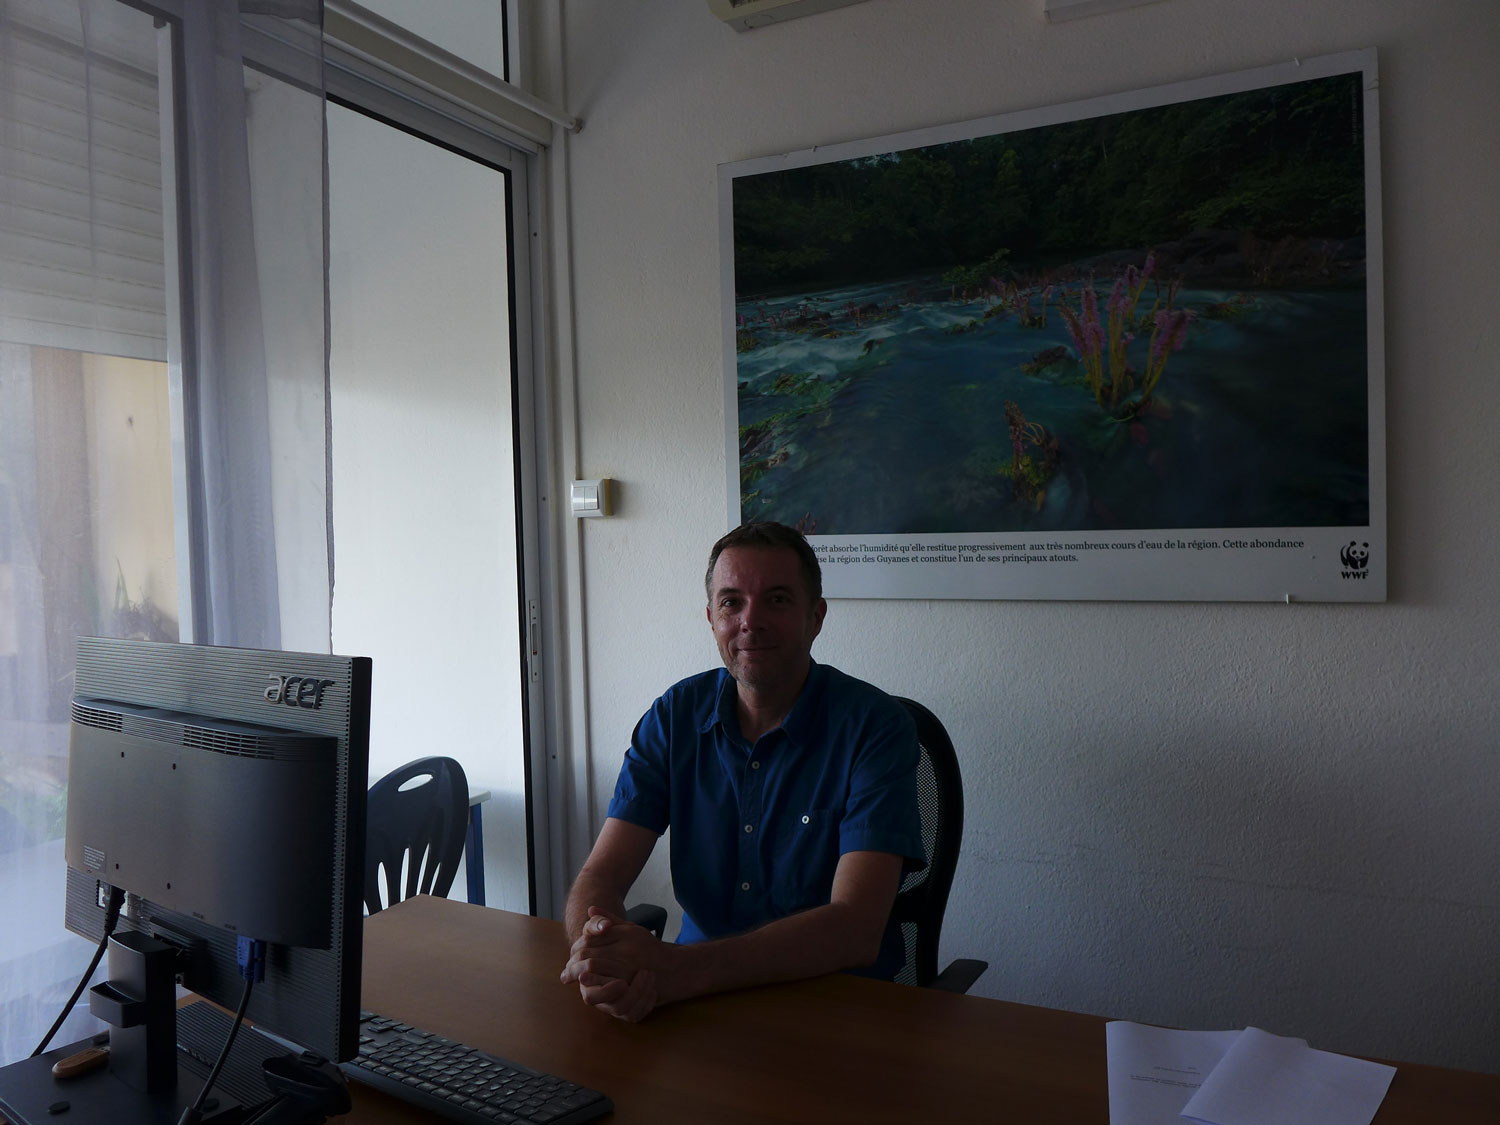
833, 1049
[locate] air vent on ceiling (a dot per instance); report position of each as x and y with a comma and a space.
745, 15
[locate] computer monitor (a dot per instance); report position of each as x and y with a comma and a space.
223, 790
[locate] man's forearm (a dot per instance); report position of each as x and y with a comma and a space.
590, 890
825, 939
845, 934
612, 867
627, 972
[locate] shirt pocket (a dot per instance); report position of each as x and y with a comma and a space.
807, 851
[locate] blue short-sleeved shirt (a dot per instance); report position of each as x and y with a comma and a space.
758, 830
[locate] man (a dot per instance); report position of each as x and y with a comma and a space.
790, 790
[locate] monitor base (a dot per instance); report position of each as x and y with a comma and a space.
30, 1095
28, 1090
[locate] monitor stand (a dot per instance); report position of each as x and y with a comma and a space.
160, 1056
262, 1083
148, 1079
30, 1095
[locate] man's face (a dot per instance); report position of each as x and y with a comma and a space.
763, 616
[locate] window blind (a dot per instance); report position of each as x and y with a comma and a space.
81, 255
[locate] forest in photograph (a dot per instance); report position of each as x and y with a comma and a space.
1151, 319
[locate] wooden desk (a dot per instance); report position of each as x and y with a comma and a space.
835, 1049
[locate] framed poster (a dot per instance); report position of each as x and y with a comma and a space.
1124, 348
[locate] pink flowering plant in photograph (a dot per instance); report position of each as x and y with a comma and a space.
1103, 347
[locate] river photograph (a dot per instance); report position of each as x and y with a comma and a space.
1146, 320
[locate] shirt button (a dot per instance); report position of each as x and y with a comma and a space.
749, 828
744, 886
755, 765
807, 820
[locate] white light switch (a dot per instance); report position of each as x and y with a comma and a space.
590, 497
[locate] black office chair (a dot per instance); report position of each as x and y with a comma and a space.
923, 896
417, 826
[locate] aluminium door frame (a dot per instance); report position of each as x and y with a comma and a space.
359, 82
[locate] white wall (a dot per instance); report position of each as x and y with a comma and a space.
1199, 814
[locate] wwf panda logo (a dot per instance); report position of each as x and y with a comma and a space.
1356, 556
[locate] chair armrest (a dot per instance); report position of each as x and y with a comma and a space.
652, 917
959, 976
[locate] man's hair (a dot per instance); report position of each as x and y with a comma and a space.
777, 536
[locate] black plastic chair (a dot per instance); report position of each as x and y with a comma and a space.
923, 897
419, 827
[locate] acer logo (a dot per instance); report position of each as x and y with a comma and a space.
297, 691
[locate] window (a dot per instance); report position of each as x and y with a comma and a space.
152, 484
87, 531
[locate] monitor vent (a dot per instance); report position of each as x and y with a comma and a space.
158, 730
95, 717
235, 739
235, 743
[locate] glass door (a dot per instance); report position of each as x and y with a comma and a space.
423, 484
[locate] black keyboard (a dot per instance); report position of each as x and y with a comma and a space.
463, 1084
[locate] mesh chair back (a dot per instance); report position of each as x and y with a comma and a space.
418, 815
923, 896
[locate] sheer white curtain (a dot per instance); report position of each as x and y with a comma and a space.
257, 330
163, 452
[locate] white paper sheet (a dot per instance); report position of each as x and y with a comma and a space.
1153, 1071
1265, 1079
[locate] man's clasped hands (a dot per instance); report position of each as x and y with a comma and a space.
621, 968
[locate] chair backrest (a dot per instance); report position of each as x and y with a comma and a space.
923, 896
418, 815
